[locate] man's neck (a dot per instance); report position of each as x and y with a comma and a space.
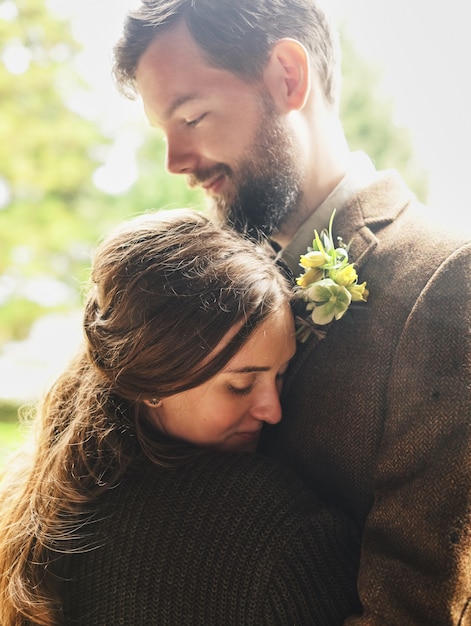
310, 202
360, 173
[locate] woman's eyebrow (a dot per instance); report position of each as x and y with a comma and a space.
246, 370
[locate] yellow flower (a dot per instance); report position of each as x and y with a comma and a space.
329, 283
314, 258
359, 293
346, 276
312, 275
328, 301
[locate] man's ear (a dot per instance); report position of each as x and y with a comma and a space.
287, 75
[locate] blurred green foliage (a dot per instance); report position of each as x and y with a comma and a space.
53, 213
12, 432
368, 120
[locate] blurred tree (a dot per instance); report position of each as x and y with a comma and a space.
368, 120
45, 165
51, 212
155, 188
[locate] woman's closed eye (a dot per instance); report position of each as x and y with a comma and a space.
240, 391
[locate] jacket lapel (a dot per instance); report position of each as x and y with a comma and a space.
359, 224
372, 209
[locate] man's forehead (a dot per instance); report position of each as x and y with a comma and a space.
173, 72
175, 44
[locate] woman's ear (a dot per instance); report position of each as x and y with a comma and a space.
153, 403
287, 75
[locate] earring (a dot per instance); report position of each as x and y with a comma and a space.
155, 402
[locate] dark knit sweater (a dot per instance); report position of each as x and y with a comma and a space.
224, 539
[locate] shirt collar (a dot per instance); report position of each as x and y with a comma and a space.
360, 173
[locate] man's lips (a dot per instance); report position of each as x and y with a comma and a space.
215, 184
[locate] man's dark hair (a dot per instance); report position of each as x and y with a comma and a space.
235, 35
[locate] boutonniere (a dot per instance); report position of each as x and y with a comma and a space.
329, 284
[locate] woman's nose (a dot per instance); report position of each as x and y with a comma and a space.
267, 407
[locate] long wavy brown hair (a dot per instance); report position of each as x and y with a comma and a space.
165, 289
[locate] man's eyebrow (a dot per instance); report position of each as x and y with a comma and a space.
179, 102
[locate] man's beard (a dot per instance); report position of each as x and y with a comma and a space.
267, 183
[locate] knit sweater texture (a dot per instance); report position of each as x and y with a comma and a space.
223, 539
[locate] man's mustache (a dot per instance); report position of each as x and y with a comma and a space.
200, 177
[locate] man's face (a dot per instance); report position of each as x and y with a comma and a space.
222, 133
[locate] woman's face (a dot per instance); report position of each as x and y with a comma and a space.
227, 412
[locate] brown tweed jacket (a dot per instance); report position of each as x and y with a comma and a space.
377, 416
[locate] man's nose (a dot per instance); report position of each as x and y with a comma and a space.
180, 156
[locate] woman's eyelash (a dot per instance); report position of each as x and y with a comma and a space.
240, 391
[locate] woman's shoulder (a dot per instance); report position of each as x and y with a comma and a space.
187, 543
215, 484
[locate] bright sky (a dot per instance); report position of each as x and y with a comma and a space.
425, 49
